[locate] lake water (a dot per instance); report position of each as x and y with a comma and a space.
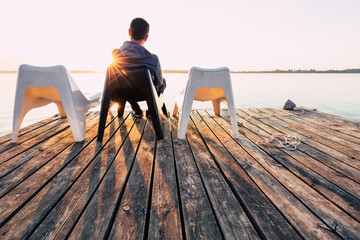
337, 94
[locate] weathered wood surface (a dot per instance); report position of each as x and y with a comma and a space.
206, 186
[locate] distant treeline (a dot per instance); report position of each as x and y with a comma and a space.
175, 71
83, 71
355, 70
12, 71
71, 71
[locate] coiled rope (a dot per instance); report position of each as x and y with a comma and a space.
283, 140
286, 141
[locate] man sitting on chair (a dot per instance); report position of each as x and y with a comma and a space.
133, 54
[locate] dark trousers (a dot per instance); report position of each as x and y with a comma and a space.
134, 105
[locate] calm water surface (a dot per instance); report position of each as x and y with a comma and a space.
337, 94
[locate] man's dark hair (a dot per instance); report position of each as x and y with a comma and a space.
139, 28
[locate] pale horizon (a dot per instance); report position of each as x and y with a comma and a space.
242, 35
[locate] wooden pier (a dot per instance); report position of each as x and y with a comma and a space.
207, 186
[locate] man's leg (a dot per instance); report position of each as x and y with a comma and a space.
137, 112
121, 108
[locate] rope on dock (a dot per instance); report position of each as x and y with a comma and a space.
286, 141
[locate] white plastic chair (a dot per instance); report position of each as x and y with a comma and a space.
206, 85
39, 86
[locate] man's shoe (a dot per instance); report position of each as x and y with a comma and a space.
148, 114
137, 114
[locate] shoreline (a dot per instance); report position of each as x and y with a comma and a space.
355, 70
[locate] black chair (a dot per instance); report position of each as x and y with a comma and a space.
131, 84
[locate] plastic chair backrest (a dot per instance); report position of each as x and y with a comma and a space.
130, 84
57, 77
201, 77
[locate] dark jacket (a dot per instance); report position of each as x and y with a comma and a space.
131, 54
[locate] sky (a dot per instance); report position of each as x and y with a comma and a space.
244, 35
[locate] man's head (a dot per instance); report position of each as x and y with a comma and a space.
139, 29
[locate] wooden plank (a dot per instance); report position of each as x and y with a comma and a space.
299, 216
34, 136
14, 150
199, 219
29, 131
344, 154
268, 221
25, 165
33, 150
310, 147
165, 222
312, 162
327, 156
37, 136
88, 205
337, 220
231, 217
350, 143
130, 219
36, 196
316, 118
324, 142
338, 119
75, 194
296, 161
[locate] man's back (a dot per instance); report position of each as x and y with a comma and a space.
131, 54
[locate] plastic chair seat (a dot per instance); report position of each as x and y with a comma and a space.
131, 84
40, 86
206, 85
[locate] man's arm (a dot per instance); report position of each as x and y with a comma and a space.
155, 68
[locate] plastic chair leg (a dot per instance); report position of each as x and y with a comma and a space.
103, 115
176, 109
185, 113
78, 126
163, 108
155, 119
61, 109
216, 105
17, 115
23, 104
76, 119
231, 107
